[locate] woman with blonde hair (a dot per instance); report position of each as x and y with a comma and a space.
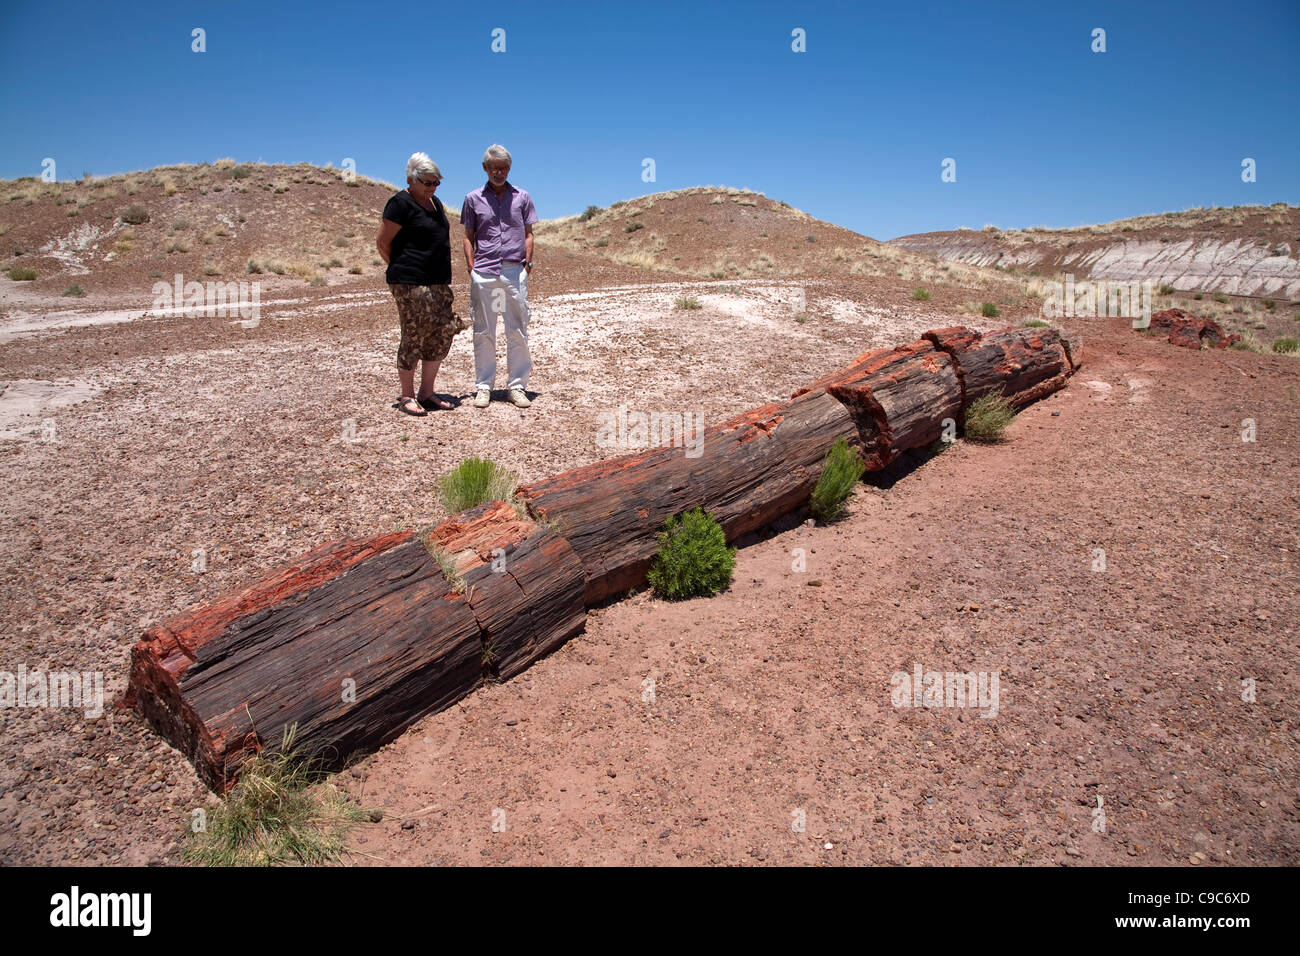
414, 239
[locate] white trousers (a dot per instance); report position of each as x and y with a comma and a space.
506, 295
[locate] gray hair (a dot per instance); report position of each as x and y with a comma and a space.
420, 166
498, 153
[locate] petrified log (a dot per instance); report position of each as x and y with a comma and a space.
749, 471
352, 642
1190, 331
523, 582
900, 398
1022, 365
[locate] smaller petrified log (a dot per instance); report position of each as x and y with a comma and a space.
224, 680
1022, 365
1190, 331
523, 582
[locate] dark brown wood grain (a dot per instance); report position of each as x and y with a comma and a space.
523, 582
221, 686
751, 470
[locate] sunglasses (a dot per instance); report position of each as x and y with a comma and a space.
427, 182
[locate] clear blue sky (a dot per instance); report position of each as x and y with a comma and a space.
853, 131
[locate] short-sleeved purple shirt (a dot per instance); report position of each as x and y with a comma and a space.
498, 223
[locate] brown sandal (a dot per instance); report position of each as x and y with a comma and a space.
410, 406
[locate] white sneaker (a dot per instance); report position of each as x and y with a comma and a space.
482, 399
518, 397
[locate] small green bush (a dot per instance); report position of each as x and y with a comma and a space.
1220, 298
242, 171
589, 213
989, 310
840, 473
1166, 290
921, 295
693, 558
355, 270
134, 215
19, 274
474, 481
1035, 324
1286, 346
987, 417
633, 226
1270, 304
75, 291
1198, 296
687, 303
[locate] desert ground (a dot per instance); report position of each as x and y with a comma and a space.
1147, 712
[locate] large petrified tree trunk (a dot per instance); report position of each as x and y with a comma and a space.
352, 643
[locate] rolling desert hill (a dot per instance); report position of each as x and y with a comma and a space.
1238, 251
302, 228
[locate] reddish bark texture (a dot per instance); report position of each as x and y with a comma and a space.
1192, 332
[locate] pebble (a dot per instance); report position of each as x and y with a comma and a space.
376, 815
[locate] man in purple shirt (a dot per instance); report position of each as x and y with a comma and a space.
498, 221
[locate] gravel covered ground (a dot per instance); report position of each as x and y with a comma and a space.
132, 451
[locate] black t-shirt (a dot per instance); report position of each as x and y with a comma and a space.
422, 248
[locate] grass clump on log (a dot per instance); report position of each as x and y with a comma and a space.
840, 473
282, 811
987, 417
693, 558
474, 481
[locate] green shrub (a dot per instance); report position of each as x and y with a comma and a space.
687, 303
242, 171
474, 481
75, 291
693, 558
1165, 290
1220, 298
921, 295
19, 274
1198, 296
254, 267
989, 310
134, 215
355, 270
987, 417
589, 213
1270, 304
282, 810
1286, 346
840, 472
1034, 324
633, 226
